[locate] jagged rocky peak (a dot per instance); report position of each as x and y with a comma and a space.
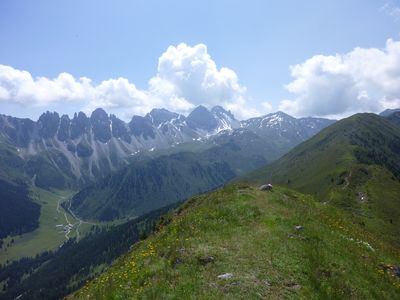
202, 118
64, 129
101, 125
158, 116
225, 118
279, 115
221, 112
99, 114
141, 126
48, 124
119, 129
80, 125
276, 118
19, 131
267, 121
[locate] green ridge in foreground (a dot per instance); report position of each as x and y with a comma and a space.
252, 235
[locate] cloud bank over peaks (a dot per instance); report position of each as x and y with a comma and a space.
186, 77
189, 74
363, 80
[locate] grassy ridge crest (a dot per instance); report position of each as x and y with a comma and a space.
252, 235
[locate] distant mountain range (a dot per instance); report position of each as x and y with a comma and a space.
62, 152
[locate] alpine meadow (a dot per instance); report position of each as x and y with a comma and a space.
199, 150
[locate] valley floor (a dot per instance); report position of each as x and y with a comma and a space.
242, 243
56, 225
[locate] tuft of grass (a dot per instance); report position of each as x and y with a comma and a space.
252, 235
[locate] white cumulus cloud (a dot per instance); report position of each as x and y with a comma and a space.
363, 80
123, 96
186, 77
19, 86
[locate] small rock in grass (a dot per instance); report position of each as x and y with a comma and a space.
294, 286
266, 187
225, 276
296, 236
396, 271
206, 259
391, 269
177, 262
298, 227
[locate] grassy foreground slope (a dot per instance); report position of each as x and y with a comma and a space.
354, 165
252, 235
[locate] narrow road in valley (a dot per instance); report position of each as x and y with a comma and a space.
59, 202
68, 227
80, 221
346, 180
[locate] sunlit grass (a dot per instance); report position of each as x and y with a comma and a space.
252, 235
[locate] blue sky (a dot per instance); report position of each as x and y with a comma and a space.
257, 40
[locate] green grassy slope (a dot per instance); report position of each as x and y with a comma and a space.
148, 185
353, 164
311, 166
251, 234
